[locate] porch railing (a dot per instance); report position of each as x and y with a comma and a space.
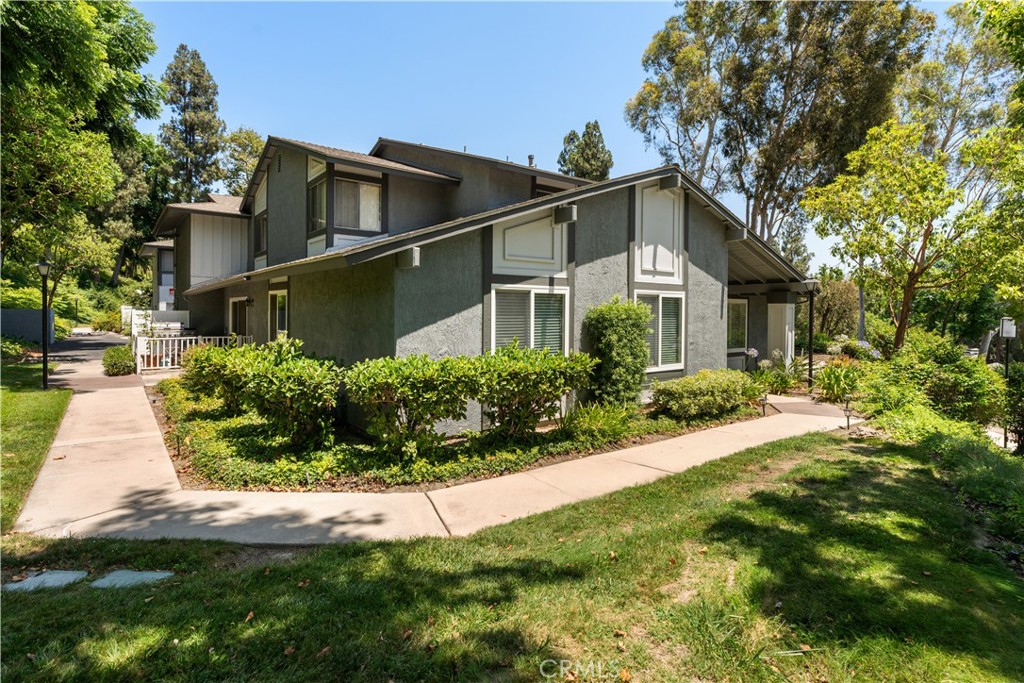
164, 353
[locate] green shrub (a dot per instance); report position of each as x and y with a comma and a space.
118, 360
838, 378
1015, 405
616, 335
881, 334
882, 392
61, 328
821, 342
596, 424
296, 395
12, 347
518, 387
709, 393
109, 321
404, 398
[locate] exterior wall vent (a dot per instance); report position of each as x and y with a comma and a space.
279, 163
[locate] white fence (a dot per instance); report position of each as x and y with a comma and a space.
164, 353
137, 321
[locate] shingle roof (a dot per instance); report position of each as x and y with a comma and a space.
231, 206
336, 154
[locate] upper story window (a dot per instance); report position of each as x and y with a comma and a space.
260, 233
316, 206
357, 205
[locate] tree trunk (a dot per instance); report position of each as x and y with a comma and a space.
115, 279
903, 319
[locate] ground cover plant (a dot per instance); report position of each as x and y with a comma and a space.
814, 558
30, 417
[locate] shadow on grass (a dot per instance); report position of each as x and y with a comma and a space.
856, 548
362, 612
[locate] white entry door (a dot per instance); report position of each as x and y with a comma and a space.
782, 329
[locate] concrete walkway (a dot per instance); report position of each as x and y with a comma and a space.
108, 474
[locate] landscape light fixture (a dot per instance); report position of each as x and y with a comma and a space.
847, 411
764, 405
44, 272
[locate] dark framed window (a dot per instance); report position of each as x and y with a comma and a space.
260, 233
278, 314
316, 206
357, 205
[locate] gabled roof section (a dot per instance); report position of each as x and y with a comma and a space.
338, 156
491, 161
772, 267
218, 205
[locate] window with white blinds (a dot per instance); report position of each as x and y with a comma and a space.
356, 205
535, 318
665, 330
737, 325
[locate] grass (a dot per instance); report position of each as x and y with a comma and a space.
809, 559
244, 452
30, 417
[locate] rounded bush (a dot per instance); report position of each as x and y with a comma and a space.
118, 360
616, 335
709, 393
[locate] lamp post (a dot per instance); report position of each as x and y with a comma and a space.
812, 287
847, 411
1008, 331
44, 271
764, 405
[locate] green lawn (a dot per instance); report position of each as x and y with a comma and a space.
810, 559
30, 418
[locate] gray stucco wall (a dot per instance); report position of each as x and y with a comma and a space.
439, 306
601, 248
345, 314
26, 323
207, 313
286, 208
706, 291
483, 187
415, 203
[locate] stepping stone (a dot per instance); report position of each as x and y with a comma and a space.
37, 580
123, 578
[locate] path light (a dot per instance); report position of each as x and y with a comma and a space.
764, 404
44, 271
847, 411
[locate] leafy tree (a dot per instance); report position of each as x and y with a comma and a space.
895, 211
585, 156
242, 149
792, 244
69, 84
967, 316
195, 134
1006, 22
758, 97
836, 307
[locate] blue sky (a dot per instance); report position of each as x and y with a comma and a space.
501, 79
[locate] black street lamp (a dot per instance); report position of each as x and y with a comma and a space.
1008, 332
44, 271
811, 286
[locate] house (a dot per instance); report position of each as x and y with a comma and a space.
414, 249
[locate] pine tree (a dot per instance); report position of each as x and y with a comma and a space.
195, 134
585, 156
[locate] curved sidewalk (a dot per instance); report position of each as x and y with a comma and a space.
108, 474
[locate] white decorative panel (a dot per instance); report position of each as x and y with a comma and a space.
316, 245
782, 329
314, 167
260, 203
219, 247
261, 262
535, 247
660, 236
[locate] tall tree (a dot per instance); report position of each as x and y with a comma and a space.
895, 211
757, 97
792, 244
70, 81
195, 134
585, 156
1006, 22
242, 149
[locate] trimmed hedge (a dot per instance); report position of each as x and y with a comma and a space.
616, 335
118, 360
519, 387
709, 393
405, 398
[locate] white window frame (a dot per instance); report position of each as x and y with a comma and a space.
533, 290
380, 207
231, 316
272, 312
746, 324
681, 365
